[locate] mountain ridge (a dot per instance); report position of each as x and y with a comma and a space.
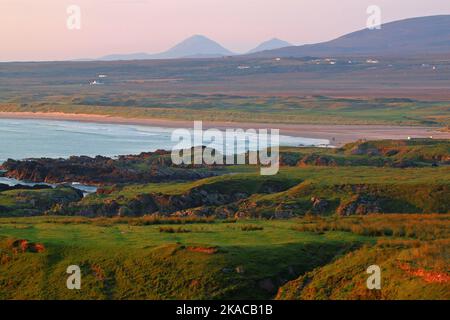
412, 36
270, 44
420, 35
192, 47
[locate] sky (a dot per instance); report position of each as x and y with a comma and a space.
32, 30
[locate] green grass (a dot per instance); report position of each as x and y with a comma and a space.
411, 190
411, 250
411, 226
345, 278
217, 260
289, 177
382, 153
92, 235
34, 202
318, 110
141, 262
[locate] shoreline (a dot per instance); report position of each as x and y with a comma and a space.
336, 134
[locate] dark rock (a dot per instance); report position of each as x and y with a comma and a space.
154, 167
283, 212
359, 205
5, 187
392, 152
319, 206
317, 160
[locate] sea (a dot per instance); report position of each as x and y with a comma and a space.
23, 138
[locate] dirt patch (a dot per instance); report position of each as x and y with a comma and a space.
207, 250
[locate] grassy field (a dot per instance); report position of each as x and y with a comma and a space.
123, 261
252, 259
291, 110
395, 92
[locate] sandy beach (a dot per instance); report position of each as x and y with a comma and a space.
336, 134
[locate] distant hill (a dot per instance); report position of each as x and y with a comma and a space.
271, 45
415, 36
131, 56
197, 46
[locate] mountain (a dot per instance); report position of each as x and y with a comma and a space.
415, 36
197, 46
271, 45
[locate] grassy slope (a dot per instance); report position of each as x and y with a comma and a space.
124, 262
416, 152
410, 190
400, 190
345, 278
412, 252
32, 202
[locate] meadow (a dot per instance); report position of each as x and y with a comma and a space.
127, 258
215, 260
253, 109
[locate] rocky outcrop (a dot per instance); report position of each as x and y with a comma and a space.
143, 168
197, 201
32, 202
359, 205
5, 187
317, 160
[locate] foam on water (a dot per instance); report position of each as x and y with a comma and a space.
20, 139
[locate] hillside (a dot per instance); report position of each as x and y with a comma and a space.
359, 178
271, 44
309, 232
416, 36
413, 254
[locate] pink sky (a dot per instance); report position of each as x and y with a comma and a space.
36, 29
